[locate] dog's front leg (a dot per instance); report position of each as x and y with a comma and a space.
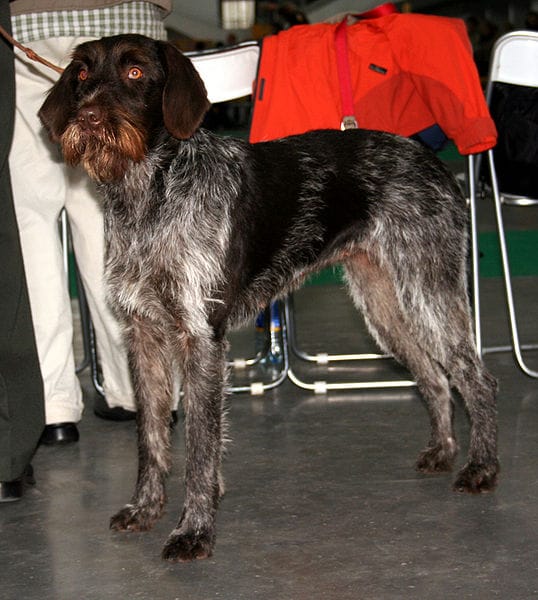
151, 368
203, 387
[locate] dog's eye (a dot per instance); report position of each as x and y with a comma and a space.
83, 74
135, 73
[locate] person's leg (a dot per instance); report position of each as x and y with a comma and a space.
39, 189
21, 389
86, 220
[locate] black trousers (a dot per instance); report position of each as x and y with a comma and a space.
22, 417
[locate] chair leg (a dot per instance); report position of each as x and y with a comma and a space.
260, 354
84, 313
322, 387
85, 324
90, 333
475, 253
258, 388
517, 348
322, 358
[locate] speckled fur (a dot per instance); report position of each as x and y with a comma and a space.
202, 232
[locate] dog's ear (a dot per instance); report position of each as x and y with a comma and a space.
184, 96
56, 110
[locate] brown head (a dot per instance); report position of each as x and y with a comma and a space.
114, 99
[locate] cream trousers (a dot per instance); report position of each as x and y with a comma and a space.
42, 186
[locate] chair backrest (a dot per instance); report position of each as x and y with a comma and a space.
228, 73
512, 94
515, 59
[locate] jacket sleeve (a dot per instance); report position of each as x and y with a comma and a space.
436, 53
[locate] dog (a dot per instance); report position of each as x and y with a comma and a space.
202, 232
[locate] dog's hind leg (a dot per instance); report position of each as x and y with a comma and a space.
204, 377
432, 337
150, 362
374, 293
477, 388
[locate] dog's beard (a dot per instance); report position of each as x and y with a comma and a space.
105, 153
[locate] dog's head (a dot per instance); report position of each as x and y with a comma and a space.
114, 98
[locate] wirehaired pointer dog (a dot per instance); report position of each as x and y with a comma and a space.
202, 232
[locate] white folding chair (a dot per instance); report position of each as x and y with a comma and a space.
228, 73
514, 61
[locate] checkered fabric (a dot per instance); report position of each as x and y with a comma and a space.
129, 17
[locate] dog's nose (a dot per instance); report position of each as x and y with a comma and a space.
90, 117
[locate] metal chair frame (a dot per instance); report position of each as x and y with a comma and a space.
514, 60
323, 358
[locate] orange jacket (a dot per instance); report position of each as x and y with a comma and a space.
408, 72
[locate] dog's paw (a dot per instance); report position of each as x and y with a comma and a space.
134, 518
184, 546
477, 478
435, 459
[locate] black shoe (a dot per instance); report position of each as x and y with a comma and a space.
59, 434
117, 413
11, 491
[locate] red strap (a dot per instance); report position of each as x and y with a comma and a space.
344, 77
349, 120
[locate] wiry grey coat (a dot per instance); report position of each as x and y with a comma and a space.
202, 232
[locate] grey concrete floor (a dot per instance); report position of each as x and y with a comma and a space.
322, 501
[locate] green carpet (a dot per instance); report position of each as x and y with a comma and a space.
523, 251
